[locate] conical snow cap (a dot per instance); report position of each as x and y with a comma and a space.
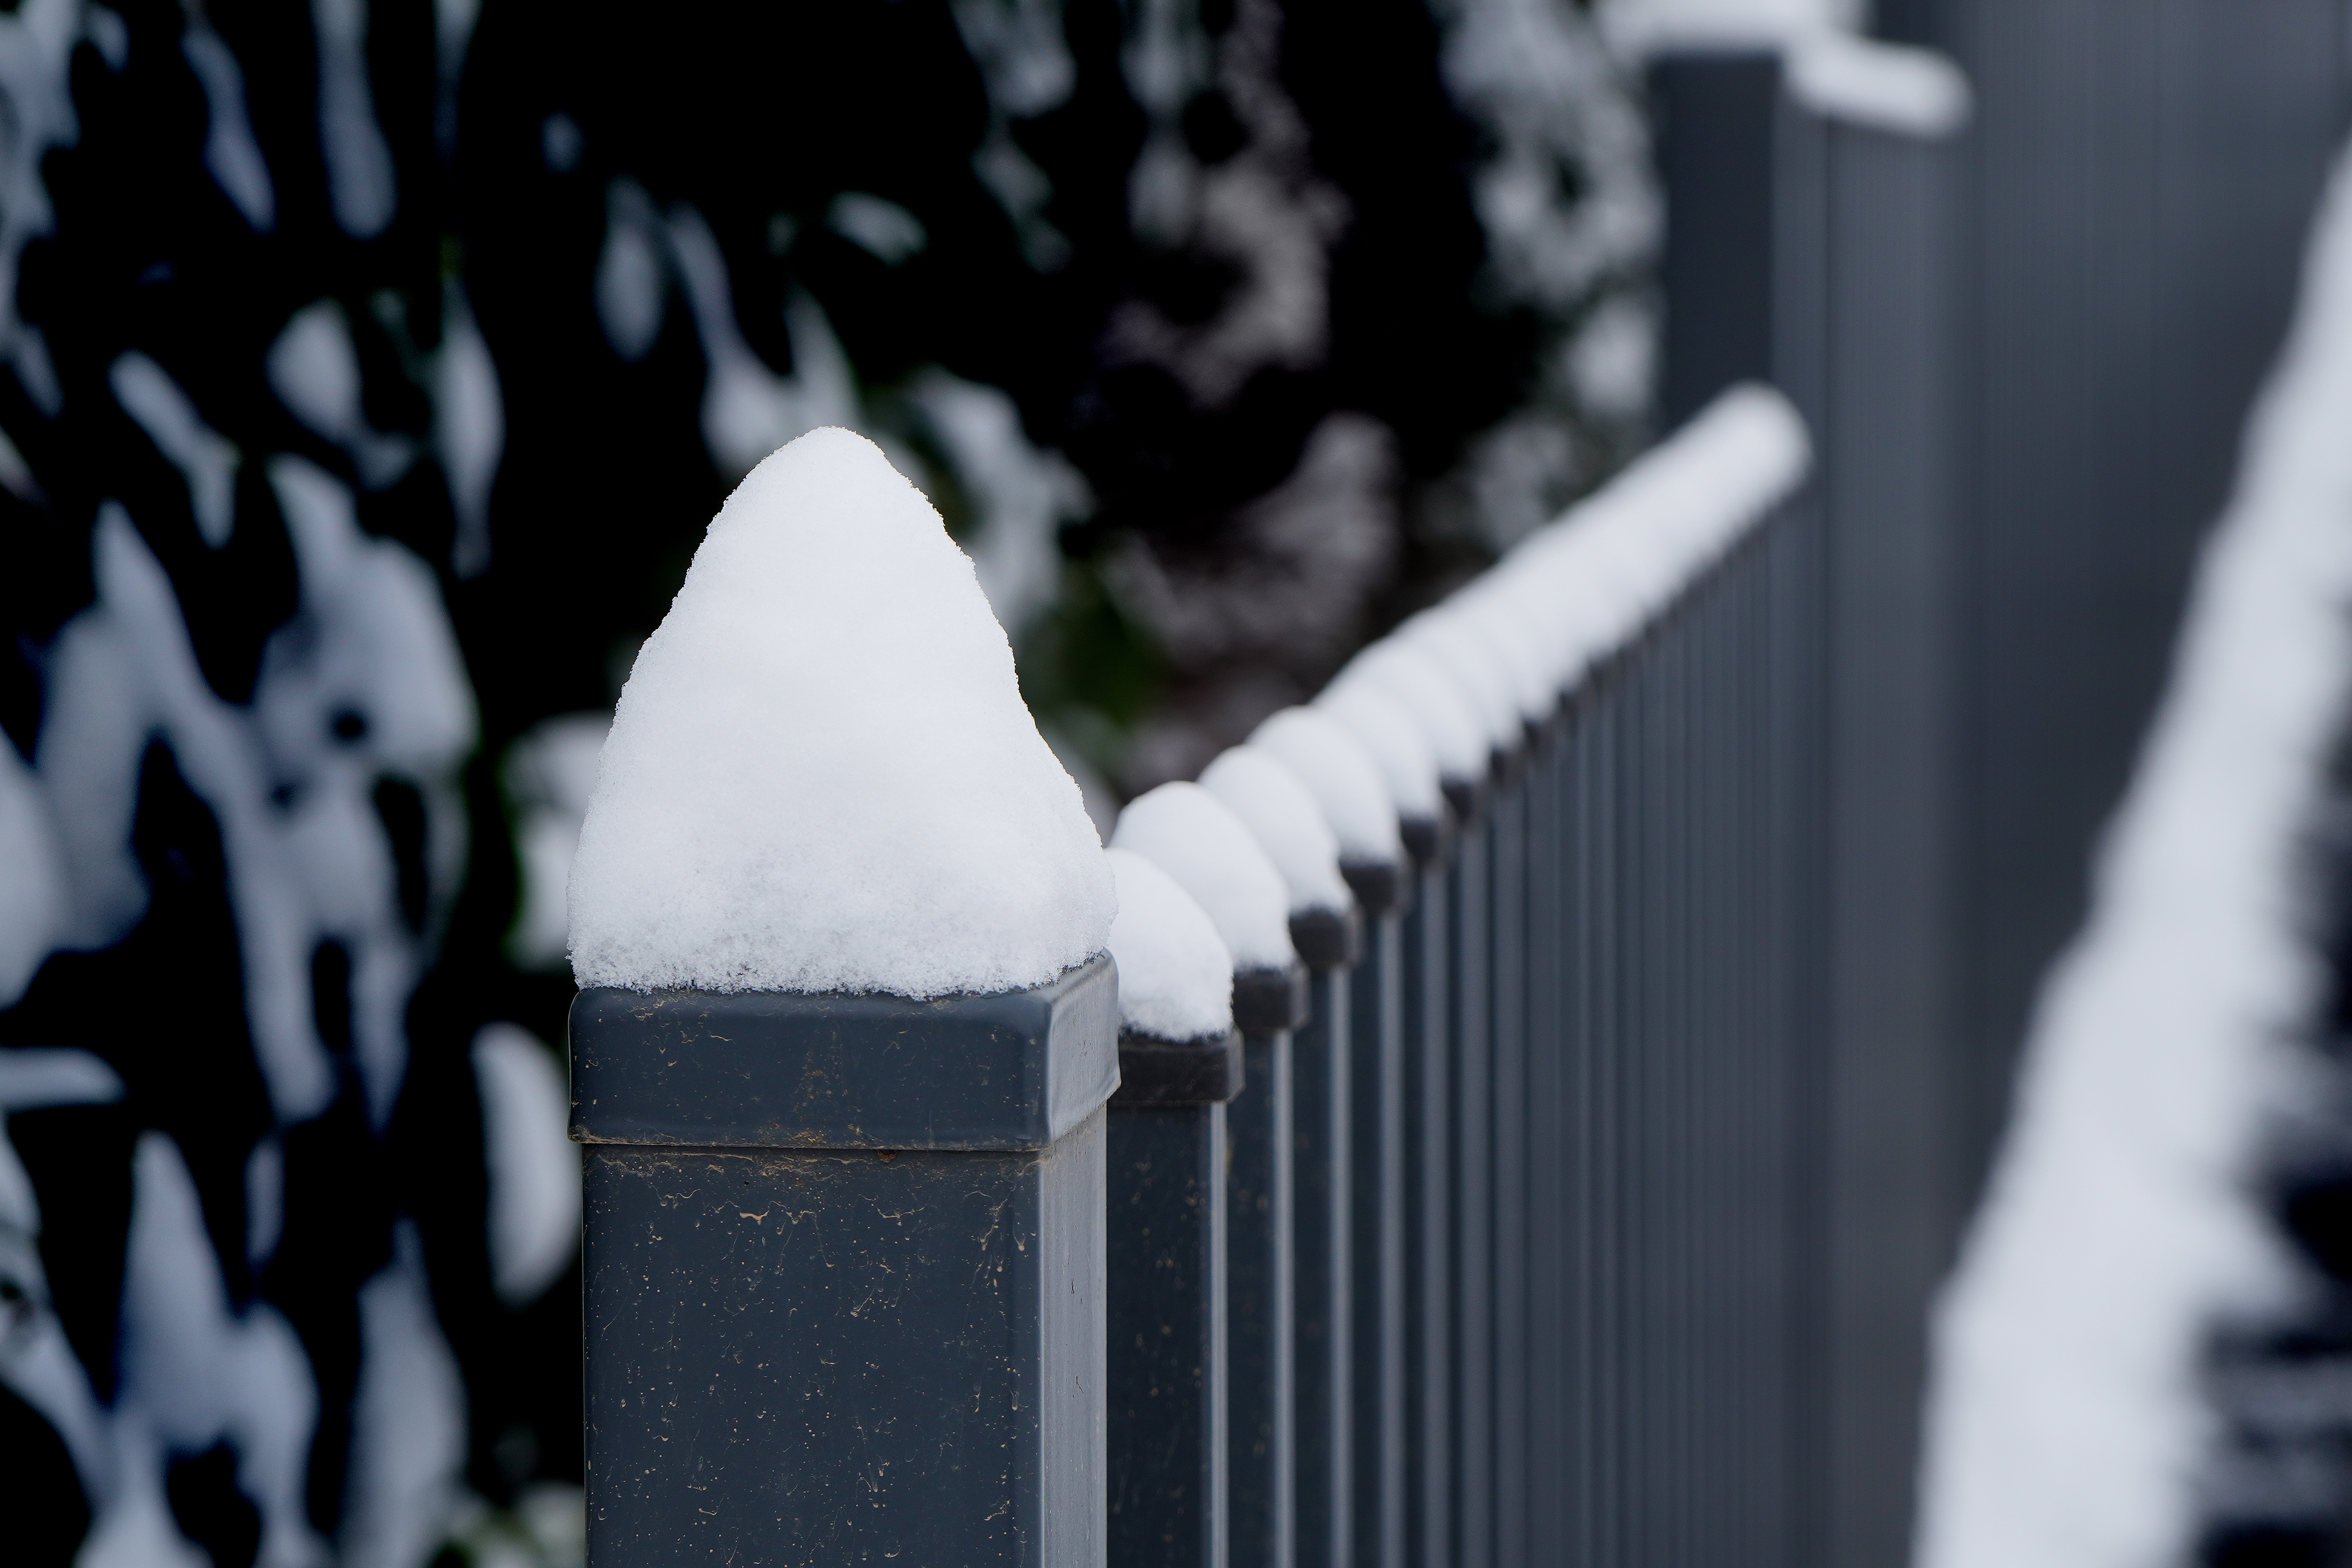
821, 776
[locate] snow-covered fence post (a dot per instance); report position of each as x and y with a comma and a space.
845, 1034
1480, 687
1446, 1007
1514, 692
1399, 1099
1327, 931
1360, 805
1196, 840
1180, 1062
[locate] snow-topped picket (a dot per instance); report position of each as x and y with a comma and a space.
1385, 729
821, 776
1343, 778
1175, 977
1281, 814
1196, 838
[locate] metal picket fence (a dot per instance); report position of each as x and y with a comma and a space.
1560, 1206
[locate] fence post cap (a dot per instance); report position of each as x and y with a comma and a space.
1328, 939
1178, 1072
1382, 887
788, 1069
1268, 1001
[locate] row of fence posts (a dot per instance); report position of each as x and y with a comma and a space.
1490, 1236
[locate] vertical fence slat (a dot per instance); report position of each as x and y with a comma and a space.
1471, 1382
1378, 1153
1322, 1126
1166, 1388
1429, 1246
1544, 1532
1261, 1305
1507, 1018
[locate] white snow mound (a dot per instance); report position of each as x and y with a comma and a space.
1386, 730
1282, 816
1448, 718
1175, 977
821, 776
1196, 838
1344, 779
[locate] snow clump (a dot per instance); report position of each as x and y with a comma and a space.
1448, 718
1386, 730
1343, 778
1288, 825
1195, 837
1175, 977
821, 776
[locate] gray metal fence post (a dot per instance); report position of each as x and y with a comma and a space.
1472, 1347
1330, 943
1429, 1262
1544, 1285
1377, 1206
1166, 1373
1267, 1005
1508, 844
844, 1274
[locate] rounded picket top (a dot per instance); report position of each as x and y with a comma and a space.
1476, 666
1408, 766
1281, 813
1447, 716
1348, 786
1177, 1045
1175, 972
1195, 837
821, 776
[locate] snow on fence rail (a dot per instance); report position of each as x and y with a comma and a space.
867, 1272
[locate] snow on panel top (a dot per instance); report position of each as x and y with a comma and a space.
1175, 977
1281, 813
1195, 837
1344, 780
821, 776
1434, 699
1394, 743
1885, 87
1829, 68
